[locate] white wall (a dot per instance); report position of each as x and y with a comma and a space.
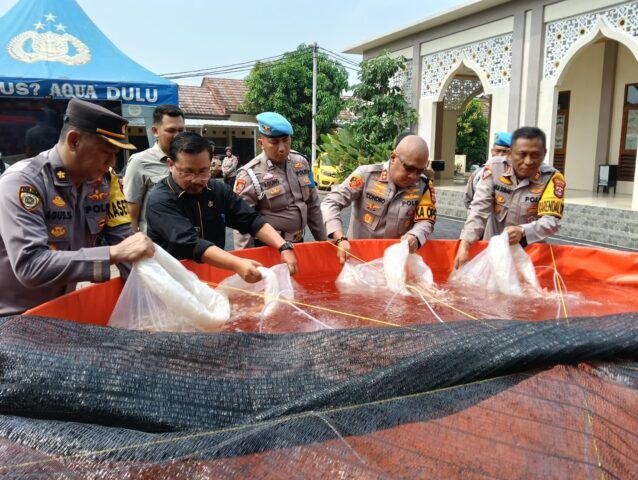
626, 72
448, 148
583, 78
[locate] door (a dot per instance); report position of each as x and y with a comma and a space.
562, 123
629, 134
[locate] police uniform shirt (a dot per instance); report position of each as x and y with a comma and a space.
286, 199
379, 208
185, 225
50, 229
501, 200
229, 166
475, 178
143, 171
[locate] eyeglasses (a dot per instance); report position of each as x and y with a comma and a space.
409, 168
192, 175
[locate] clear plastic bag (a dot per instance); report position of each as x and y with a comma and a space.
162, 295
276, 284
500, 268
397, 269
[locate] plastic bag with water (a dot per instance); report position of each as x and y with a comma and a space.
500, 268
162, 295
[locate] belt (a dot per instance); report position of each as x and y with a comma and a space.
294, 237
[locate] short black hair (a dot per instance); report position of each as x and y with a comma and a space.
166, 109
189, 142
530, 133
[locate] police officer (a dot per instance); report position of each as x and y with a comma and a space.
229, 167
188, 213
57, 205
501, 148
523, 197
277, 184
389, 200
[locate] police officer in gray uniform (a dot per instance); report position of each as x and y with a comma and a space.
523, 198
58, 205
277, 184
390, 200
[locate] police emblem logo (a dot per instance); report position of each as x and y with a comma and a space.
355, 182
500, 199
367, 218
96, 196
58, 231
58, 201
536, 189
29, 198
298, 165
559, 187
62, 174
266, 129
239, 185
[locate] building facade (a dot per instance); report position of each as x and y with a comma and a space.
569, 67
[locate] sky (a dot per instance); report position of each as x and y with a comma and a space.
175, 36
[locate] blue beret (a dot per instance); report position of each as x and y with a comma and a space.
504, 139
272, 124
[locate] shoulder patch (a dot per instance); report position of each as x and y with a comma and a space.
240, 183
355, 182
29, 197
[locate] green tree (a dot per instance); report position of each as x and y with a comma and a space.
471, 134
380, 108
381, 112
285, 87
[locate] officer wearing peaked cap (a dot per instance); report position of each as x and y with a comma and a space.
59, 205
278, 185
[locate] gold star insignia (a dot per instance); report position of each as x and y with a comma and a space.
61, 174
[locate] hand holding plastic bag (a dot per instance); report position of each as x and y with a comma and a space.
162, 295
276, 284
500, 268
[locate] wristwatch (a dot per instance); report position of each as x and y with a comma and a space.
286, 246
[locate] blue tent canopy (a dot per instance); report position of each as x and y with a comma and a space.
51, 48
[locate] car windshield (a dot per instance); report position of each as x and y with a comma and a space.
326, 162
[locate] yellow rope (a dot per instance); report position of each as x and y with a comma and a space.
557, 277
431, 297
236, 428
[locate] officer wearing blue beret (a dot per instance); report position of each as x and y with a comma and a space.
501, 148
277, 183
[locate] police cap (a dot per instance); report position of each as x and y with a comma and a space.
98, 120
272, 124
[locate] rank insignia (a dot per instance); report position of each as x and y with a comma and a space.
61, 174
536, 176
58, 231
58, 201
384, 176
29, 198
239, 185
275, 190
536, 189
355, 182
505, 180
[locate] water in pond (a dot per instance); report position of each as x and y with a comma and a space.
331, 308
